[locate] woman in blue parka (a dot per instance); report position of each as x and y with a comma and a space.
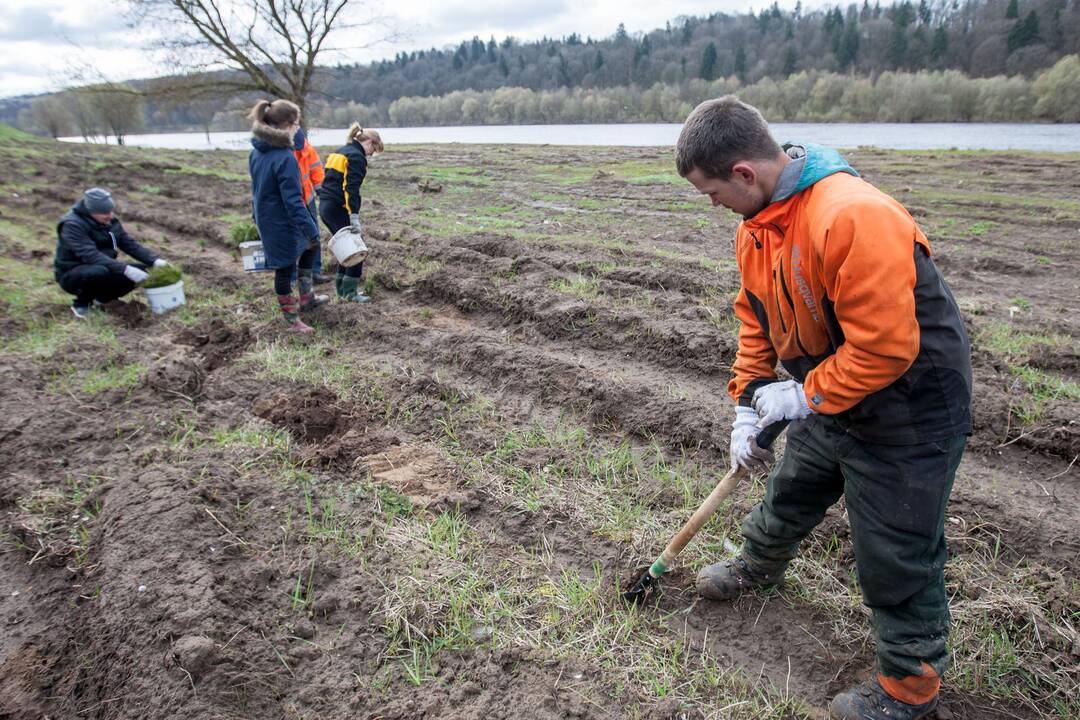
289, 234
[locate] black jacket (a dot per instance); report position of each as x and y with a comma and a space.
345, 172
82, 240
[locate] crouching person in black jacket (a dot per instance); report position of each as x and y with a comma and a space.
89, 239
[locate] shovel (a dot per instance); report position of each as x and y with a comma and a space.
644, 587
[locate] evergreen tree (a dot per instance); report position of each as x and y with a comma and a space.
1024, 32
1013, 11
939, 45
708, 62
925, 15
598, 61
897, 52
740, 63
791, 61
504, 69
848, 51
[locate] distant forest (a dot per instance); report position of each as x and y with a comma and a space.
952, 59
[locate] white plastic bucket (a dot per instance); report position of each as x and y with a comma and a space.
348, 247
163, 299
252, 256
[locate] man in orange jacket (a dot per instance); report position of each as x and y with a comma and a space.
838, 285
312, 175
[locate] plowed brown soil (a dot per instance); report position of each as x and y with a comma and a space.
426, 510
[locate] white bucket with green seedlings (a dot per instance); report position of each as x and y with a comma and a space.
164, 289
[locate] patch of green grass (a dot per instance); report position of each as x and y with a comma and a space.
57, 519
1020, 302
455, 175
586, 288
208, 172
981, 227
111, 376
1042, 388
1014, 345
9, 134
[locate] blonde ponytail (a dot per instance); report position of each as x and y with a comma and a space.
357, 133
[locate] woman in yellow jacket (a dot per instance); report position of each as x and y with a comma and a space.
339, 199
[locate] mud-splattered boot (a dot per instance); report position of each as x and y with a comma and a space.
290, 310
726, 580
350, 291
308, 299
869, 701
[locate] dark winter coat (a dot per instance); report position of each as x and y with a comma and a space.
285, 225
82, 240
345, 172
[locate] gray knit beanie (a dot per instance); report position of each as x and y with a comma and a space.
98, 201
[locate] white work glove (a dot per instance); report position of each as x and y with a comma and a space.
134, 274
744, 451
780, 401
161, 262
354, 222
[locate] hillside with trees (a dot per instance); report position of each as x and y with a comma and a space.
934, 60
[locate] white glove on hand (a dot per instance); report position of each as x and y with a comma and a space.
134, 274
780, 401
161, 262
354, 222
744, 451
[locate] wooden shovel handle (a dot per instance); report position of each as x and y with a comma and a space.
764, 439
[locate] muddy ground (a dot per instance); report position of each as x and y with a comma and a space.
426, 510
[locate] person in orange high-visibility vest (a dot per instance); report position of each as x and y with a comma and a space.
312, 175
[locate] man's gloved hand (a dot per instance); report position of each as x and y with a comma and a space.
161, 262
354, 222
780, 401
744, 451
134, 274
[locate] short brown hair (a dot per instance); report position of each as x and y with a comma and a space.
720, 133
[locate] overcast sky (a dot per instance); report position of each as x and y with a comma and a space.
42, 40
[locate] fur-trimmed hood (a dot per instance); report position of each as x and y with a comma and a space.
272, 136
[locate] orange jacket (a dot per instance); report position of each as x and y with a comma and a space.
837, 283
311, 167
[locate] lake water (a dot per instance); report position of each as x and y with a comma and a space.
900, 136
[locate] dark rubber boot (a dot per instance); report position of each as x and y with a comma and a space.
350, 291
869, 701
308, 299
726, 580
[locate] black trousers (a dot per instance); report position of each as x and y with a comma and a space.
896, 497
96, 282
335, 217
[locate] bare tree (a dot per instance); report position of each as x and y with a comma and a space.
119, 107
83, 112
267, 46
50, 115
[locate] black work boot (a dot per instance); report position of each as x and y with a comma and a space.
725, 580
869, 701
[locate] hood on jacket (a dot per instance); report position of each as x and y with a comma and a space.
270, 135
299, 139
809, 163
